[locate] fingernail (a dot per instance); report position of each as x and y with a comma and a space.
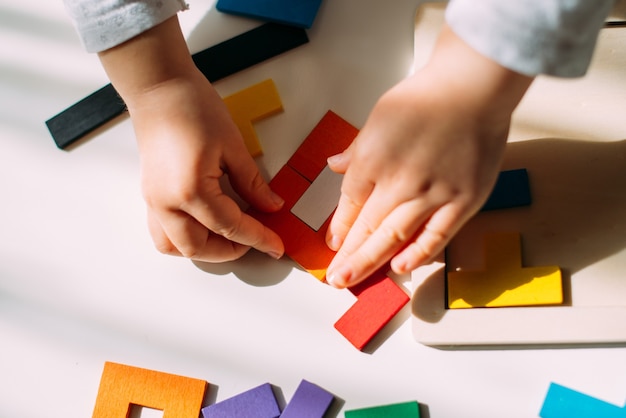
399, 265
339, 278
277, 200
334, 243
274, 255
334, 159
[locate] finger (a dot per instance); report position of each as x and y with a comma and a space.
247, 181
160, 239
392, 234
339, 163
354, 193
224, 218
194, 241
430, 240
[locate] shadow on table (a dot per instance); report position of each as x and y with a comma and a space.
254, 268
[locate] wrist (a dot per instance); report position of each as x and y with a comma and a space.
155, 58
482, 88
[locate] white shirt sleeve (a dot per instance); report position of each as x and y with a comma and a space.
103, 24
553, 37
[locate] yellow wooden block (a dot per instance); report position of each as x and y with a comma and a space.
250, 105
504, 282
121, 386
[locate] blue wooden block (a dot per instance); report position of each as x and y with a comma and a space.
299, 13
511, 190
259, 402
309, 401
562, 402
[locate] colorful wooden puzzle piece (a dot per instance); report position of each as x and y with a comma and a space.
503, 281
304, 245
259, 402
379, 299
251, 105
511, 190
299, 13
399, 410
309, 401
121, 386
562, 402
216, 62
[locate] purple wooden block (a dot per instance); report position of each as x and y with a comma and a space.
259, 402
309, 401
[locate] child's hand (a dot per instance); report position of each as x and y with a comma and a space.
423, 164
187, 142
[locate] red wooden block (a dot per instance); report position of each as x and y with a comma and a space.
304, 245
331, 136
379, 299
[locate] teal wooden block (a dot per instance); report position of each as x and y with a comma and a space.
562, 402
398, 410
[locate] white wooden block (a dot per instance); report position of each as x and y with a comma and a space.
320, 199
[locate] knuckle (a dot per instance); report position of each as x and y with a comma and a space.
392, 235
165, 247
228, 230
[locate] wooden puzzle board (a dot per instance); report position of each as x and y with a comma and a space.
570, 138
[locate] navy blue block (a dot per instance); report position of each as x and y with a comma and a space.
299, 13
512, 190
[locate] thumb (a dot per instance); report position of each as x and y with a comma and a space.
246, 179
339, 162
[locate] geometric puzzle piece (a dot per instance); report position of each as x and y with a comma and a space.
379, 299
309, 401
320, 200
251, 105
399, 410
259, 402
503, 281
304, 245
216, 62
121, 386
511, 190
330, 136
562, 402
300, 13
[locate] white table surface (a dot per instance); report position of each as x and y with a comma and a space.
81, 284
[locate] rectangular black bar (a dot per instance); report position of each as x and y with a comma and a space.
216, 62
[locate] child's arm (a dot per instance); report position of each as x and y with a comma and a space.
424, 162
187, 142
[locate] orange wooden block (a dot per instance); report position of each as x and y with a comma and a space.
121, 386
251, 105
304, 245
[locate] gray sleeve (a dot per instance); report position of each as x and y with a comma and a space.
103, 24
553, 37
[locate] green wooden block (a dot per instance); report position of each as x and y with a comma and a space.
398, 410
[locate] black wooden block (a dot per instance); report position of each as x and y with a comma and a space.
216, 62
